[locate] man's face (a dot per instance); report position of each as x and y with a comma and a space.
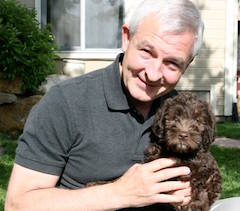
154, 59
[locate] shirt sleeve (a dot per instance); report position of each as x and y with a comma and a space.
47, 136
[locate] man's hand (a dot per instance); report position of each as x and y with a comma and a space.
145, 184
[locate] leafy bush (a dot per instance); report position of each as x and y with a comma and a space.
26, 51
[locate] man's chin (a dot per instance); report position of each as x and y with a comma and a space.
144, 98
147, 96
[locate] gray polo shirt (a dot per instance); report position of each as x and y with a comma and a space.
85, 130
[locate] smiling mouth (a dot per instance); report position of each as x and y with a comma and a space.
142, 82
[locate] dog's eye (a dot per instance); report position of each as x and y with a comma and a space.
199, 120
198, 127
172, 124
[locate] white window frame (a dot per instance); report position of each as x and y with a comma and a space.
82, 53
230, 66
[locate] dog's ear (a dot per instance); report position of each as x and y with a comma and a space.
209, 130
157, 127
159, 121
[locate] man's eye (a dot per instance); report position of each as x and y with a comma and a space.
146, 51
173, 65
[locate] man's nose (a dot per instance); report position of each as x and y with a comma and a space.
154, 71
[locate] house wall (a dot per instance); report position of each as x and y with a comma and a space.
28, 3
205, 76
206, 73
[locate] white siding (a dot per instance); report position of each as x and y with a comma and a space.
207, 70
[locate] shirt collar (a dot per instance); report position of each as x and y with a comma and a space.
114, 93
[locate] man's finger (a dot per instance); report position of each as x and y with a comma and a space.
184, 192
170, 186
185, 201
159, 164
170, 173
166, 198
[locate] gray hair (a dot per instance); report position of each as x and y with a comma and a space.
176, 15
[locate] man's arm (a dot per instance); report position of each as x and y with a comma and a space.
32, 190
141, 185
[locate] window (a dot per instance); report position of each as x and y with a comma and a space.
84, 25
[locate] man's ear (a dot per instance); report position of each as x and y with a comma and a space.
125, 37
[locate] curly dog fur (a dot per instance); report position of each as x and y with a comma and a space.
184, 128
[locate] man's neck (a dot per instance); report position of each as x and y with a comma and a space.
142, 107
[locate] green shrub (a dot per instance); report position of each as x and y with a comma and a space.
26, 51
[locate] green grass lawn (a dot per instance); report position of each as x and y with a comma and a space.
7, 153
228, 161
228, 129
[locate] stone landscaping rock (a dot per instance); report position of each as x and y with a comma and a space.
7, 98
15, 107
13, 116
8, 86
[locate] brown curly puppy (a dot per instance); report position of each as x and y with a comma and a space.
184, 128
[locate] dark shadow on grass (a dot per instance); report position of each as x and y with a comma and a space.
231, 193
5, 174
8, 147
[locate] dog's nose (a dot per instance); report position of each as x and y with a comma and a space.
183, 135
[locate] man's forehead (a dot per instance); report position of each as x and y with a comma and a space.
166, 46
153, 23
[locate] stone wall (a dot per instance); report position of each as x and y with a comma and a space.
14, 107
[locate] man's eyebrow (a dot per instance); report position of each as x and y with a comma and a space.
145, 43
177, 59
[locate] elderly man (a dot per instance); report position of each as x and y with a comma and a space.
96, 127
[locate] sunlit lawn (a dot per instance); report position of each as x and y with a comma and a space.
229, 163
228, 129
